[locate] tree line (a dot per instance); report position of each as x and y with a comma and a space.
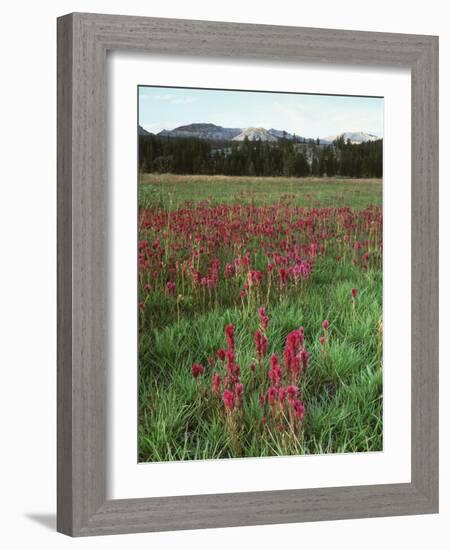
260, 158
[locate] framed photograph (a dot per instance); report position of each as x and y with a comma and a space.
247, 274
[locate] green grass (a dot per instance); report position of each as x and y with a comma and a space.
171, 191
342, 389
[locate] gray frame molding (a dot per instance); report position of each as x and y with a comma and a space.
83, 40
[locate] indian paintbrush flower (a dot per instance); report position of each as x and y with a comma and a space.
228, 400
197, 370
229, 331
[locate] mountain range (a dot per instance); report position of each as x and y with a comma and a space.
203, 130
214, 132
354, 137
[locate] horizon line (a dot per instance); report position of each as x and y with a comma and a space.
142, 125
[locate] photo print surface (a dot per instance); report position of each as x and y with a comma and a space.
259, 274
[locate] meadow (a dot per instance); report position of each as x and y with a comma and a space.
260, 316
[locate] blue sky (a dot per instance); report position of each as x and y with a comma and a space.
304, 114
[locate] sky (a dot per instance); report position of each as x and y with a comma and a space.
306, 115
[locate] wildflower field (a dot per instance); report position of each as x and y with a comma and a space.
260, 316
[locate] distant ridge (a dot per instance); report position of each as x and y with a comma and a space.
206, 130
354, 137
202, 130
209, 131
143, 132
282, 134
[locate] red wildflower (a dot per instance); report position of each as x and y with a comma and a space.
292, 392
239, 392
275, 372
216, 383
228, 399
282, 394
171, 287
288, 358
304, 356
229, 270
260, 344
274, 360
272, 394
230, 360
299, 409
197, 369
263, 318
229, 331
302, 270
256, 277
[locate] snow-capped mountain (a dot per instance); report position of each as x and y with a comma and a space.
254, 134
354, 137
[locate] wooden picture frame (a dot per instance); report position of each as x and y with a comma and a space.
83, 41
